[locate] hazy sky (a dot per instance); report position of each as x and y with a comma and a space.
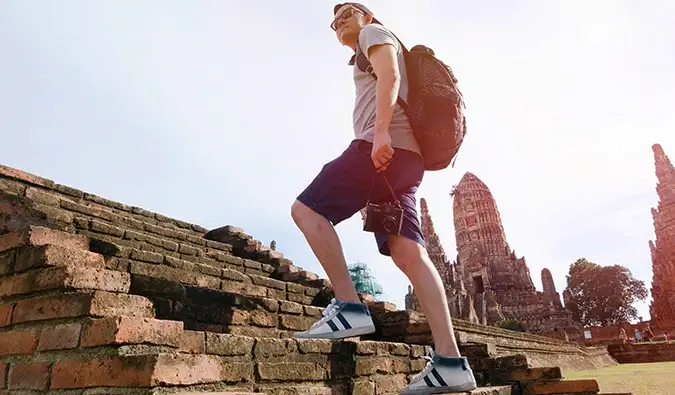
220, 112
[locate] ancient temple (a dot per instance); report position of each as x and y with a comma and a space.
662, 308
488, 283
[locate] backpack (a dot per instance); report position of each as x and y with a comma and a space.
435, 106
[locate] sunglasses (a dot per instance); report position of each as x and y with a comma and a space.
346, 14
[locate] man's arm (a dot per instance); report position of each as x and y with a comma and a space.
385, 65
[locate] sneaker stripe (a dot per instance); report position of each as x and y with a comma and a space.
438, 378
343, 320
428, 381
332, 325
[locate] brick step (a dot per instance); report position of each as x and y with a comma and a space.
300, 287
106, 221
223, 311
128, 352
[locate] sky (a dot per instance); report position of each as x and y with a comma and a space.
221, 112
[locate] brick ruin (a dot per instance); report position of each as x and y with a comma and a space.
99, 297
488, 283
662, 308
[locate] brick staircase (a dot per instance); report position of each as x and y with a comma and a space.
97, 297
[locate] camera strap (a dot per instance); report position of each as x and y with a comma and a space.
393, 195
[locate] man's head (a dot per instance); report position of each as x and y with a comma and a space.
349, 19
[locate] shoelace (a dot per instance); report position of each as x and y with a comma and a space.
328, 311
429, 357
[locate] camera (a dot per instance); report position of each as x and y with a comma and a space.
383, 217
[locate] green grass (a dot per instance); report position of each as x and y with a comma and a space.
639, 378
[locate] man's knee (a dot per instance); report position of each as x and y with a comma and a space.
299, 211
406, 253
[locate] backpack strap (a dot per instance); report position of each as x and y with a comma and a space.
362, 62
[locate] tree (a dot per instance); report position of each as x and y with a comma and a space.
603, 295
364, 280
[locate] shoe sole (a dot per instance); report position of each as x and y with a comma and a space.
440, 390
343, 334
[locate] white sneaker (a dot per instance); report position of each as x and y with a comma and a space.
441, 375
340, 320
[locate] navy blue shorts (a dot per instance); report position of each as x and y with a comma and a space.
343, 186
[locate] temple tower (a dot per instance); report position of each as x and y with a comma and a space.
550, 293
434, 247
662, 250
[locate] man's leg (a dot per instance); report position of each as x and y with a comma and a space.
337, 193
322, 238
414, 261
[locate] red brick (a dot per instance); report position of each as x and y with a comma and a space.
3, 375
54, 255
5, 314
531, 374
193, 342
131, 330
26, 177
37, 236
65, 278
96, 304
60, 337
18, 342
29, 376
142, 371
560, 387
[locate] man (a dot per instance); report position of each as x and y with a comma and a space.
383, 154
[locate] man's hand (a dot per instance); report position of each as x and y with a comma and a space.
382, 151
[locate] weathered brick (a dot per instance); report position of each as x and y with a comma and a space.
291, 307
96, 304
313, 311
86, 210
21, 175
192, 342
261, 318
102, 227
223, 344
131, 330
36, 236
389, 384
531, 374
511, 362
363, 387
315, 346
3, 371
55, 255
65, 278
243, 288
371, 365
266, 347
296, 323
560, 387
268, 282
6, 314
478, 350
234, 275
29, 376
42, 197
18, 342
7, 259
60, 337
146, 371
147, 256
291, 371
12, 187
302, 299
187, 250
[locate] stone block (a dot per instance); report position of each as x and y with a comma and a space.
560, 387
37, 236
18, 342
69, 305
60, 337
65, 278
131, 330
30, 376
51, 255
